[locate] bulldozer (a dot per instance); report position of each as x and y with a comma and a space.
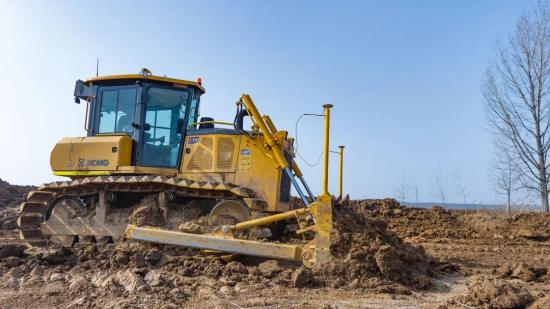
150, 170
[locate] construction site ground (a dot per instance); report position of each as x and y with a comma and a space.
385, 256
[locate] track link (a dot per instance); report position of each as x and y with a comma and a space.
34, 210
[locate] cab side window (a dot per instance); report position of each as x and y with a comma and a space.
117, 110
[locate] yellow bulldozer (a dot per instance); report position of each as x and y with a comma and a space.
150, 170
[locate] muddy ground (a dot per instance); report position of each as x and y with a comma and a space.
385, 256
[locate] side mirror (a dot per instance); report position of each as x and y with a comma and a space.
82, 91
179, 127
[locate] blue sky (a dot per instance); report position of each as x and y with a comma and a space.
404, 77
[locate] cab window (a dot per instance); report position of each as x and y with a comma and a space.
193, 111
165, 113
117, 110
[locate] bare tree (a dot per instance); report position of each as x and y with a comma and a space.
516, 90
415, 192
440, 184
504, 177
401, 188
459, 184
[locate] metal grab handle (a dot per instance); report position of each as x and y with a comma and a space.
86, 117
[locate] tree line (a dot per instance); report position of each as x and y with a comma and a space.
516, 89
516, 92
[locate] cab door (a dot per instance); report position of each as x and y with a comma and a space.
163, 125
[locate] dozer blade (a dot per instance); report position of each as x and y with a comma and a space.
315, 252
209, 242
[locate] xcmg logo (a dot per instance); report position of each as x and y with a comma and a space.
89, 163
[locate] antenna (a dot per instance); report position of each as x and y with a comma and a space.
96, 67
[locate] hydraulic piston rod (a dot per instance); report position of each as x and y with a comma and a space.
269, 219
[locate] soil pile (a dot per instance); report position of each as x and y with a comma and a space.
440, 223
367, 255
495, 293
413, 222
12, 194
10, 197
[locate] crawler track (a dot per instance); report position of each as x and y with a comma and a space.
34, 211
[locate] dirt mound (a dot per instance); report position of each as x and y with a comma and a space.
440, 223
367, 255
495, 293
11, 195
413, 222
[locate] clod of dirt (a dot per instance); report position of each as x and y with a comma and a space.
153, 256
534, 235
52, 255
79, 283
13, 261
301, 277
235, 267
129, 280
7, 250
541, 303
154, 278
121, 258
269, 268
495, 293
520, 271
147, 213
139, 260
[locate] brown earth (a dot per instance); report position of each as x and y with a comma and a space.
385, 256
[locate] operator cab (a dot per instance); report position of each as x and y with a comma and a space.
154, 111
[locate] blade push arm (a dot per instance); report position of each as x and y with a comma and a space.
267, 127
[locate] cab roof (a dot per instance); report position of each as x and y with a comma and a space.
144, 77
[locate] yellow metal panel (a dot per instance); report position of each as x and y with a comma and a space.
141, 77
80, 173
321, 210
207, 158
210, 153
209, 177
257, 171
91, 154
145, 170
